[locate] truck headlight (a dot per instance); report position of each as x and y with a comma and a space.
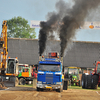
7, 78
39, 82
58, 83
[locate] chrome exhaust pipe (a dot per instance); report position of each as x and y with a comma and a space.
40, 58
62, 60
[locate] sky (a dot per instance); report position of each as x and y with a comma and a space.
38, 9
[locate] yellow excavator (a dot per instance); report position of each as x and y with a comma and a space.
8, 66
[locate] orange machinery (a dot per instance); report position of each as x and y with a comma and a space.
8, 66
3, 48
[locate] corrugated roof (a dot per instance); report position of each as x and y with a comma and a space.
80, 54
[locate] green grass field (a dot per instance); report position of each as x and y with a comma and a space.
30, 85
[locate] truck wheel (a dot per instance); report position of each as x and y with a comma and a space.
22, 81
95, 82
83, 80
38, 89
86, 81
16, 81
89, 81
65, 85
61, 89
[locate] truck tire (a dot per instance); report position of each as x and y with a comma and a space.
38, 89
60, 90
94, 82
83, 80
22, 81
86, 81
89, 81
65, 85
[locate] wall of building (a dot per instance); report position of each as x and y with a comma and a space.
80, 54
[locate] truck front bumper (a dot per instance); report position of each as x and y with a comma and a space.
48, 86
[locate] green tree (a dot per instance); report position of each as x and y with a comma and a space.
18, 27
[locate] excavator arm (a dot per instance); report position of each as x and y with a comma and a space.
3, 48
8, 66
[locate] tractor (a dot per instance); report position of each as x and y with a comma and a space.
93, 80
73, 74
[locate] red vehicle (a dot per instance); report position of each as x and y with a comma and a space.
34, 71
93, 80
97, 71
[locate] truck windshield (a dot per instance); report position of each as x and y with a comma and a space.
50, 67
98, 68
10, 66
73, 71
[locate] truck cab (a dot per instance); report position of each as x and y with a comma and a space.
24, 75
50, 74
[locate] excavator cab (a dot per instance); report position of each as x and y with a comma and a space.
10, 77
12, 66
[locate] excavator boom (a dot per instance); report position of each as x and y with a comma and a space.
3, 48
8, 66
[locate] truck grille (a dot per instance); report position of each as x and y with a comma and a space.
49, 78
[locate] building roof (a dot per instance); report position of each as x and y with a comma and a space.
79, 54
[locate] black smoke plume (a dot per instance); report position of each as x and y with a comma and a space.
70, 19
46, 28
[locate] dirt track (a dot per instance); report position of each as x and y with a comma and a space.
31, 94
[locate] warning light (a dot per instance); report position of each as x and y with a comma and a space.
53, 55
42, 56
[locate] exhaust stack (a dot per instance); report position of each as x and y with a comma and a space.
62, 60
62, 63
40, 58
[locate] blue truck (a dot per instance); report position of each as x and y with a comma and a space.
50, 73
